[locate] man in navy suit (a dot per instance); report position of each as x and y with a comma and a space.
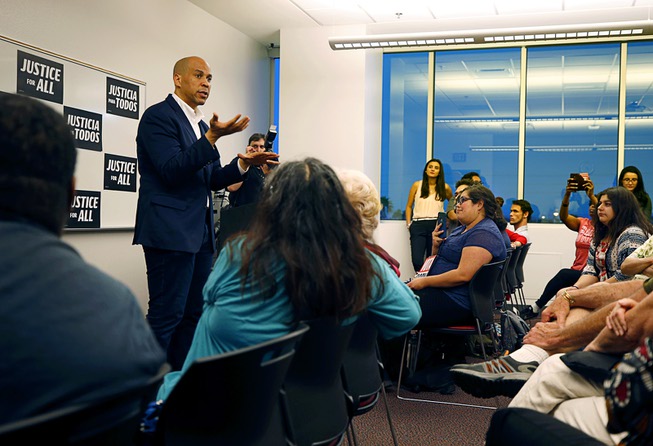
179, 165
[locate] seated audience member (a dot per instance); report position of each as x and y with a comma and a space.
626, 405
619, 229
474, 176
577, 397
520, 214
515, 239
631, 178
69, 333
511, 239
452, 218
640, 262
568, 276
303, 257
364, 197
249, 190
584, 316
444, 292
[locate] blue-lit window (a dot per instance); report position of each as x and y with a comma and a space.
476, 116
403, 149
570, 122
639, 111
275, 99
572, 98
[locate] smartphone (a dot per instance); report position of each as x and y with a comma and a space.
577, 180
442, 221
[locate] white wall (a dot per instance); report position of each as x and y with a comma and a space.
143, 39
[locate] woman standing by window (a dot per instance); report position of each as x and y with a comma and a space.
425, 201
631, 178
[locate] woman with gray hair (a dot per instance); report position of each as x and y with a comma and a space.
364, 197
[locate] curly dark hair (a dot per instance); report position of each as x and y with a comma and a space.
37, 162
477, 192
305, 220
626, 213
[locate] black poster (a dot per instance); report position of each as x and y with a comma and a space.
122, 98
39, 77
85, 211
119, 173
86, 127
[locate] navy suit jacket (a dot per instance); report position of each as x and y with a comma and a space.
177, 173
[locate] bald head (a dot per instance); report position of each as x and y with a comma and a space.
181, 67
192, 77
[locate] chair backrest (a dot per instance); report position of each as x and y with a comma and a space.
361, 372
109, 421
482, 291
511, 272
231, 398
234, 220
314, 400
519, 269
501, 288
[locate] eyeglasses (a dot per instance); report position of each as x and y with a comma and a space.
629, 180
461, 199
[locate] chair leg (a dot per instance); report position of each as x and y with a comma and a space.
387, 414
480, 338
422, 400
351, 430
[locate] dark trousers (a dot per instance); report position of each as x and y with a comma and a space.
175, 281
421, 241
518, 426
565, 278
438, 310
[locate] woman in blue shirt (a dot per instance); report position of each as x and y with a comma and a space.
444, 294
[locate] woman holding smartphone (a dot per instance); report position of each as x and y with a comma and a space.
585, 228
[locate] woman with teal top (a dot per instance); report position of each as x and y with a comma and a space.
303, 257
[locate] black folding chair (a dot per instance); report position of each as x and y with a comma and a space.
511, 276
230, 399
361, 374
313, 397
482, 297
519, 275
114, 420
502, 289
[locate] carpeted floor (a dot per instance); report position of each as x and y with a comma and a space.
418, 424
428, 424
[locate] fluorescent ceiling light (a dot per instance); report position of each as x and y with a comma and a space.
618, 30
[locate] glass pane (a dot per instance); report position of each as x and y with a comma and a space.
403, 142
476, 119
572, 97
639, 111
275, 99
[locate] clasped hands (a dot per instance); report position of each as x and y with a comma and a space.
238, 123
616, 320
